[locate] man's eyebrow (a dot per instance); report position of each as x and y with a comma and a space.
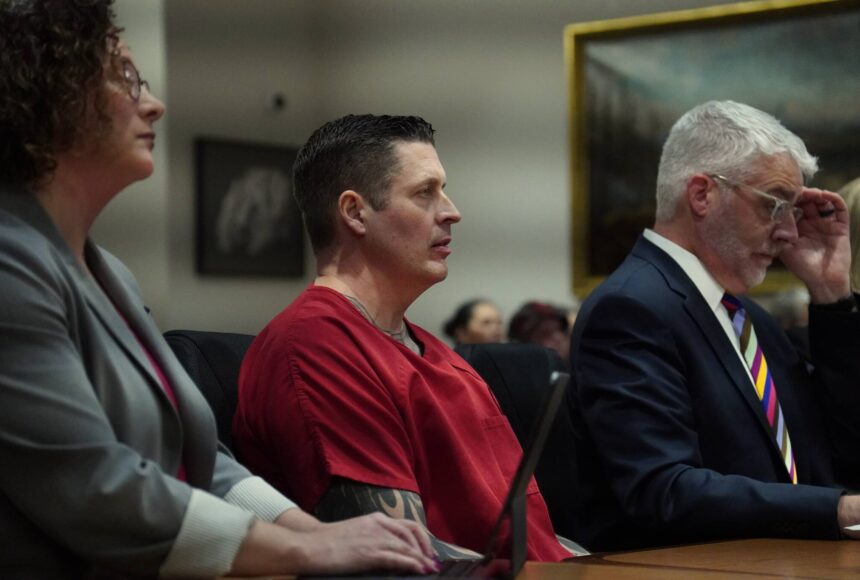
431, 180
784, 193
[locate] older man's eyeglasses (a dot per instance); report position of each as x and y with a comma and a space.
132, 79
779, 208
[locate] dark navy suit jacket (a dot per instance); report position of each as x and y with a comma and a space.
671, 441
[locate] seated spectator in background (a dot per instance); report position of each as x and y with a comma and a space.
475, 322
572, 311
695, 418
790, 310
541, 323
344, 402
109, 462
850, 192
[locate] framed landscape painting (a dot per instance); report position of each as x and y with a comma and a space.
630, 79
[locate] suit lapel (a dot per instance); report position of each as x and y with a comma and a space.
200, 442
711, 330
111, 307
110, 304
25, 206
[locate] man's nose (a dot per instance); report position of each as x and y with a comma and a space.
448, 211
786, 229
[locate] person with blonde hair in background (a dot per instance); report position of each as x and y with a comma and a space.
850, 192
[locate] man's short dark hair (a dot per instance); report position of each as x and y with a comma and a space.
354, 152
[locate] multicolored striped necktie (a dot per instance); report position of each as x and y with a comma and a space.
764, 386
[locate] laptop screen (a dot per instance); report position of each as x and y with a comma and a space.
514, 507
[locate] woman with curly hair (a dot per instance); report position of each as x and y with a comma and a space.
110, 465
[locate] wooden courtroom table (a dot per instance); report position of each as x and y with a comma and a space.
762, 559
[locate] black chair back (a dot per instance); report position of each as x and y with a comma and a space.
518, 375
213, 359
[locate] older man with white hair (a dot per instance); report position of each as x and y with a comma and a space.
695, 418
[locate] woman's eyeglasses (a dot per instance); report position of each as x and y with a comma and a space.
133, 82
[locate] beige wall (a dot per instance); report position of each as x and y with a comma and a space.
489, 74
134, 226
226, 59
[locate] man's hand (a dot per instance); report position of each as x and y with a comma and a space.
347, 498
848, 514
821, 256
370, 542
366, 543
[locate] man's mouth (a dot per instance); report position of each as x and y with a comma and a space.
442, 247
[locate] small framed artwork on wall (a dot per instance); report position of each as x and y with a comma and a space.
248, 223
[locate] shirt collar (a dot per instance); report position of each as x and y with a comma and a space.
710, 289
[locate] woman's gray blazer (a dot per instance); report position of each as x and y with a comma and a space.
89, 441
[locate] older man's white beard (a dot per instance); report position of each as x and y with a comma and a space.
757, 279
734, 254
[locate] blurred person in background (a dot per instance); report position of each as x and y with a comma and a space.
477, 321
541, 323
790, 309
572, 311
850, 192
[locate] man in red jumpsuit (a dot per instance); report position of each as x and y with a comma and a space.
346, 405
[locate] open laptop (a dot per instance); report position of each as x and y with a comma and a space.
514, 508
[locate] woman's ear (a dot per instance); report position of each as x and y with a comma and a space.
350, 208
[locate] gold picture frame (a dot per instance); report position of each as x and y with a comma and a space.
629, 79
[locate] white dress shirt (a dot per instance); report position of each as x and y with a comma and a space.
710, 289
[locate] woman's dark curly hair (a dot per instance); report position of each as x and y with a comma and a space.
52, 57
